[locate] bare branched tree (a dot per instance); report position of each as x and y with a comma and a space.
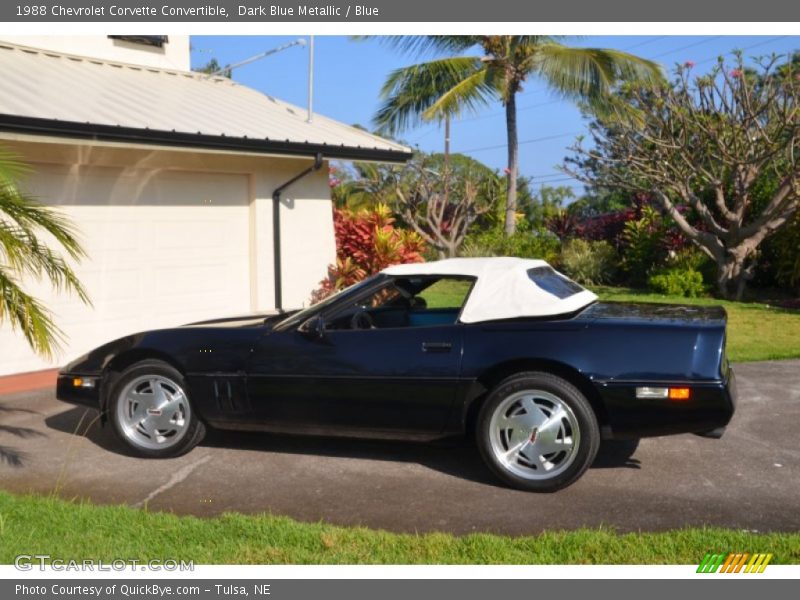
712, 143
439, 212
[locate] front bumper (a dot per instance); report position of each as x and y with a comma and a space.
708, 411
68, 391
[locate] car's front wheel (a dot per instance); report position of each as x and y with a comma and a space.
537, 432
151, 412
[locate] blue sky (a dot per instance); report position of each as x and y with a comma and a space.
348, 76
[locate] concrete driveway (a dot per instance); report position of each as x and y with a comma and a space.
750, 479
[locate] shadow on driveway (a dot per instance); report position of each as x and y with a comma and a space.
455, 456
9, 454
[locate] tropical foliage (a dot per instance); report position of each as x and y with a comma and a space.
589, 263
524, 244
367, 242
439, 199
441, 205
444, 87
713, 145
30, 236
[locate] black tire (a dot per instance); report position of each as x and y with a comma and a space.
575, 462
192, 432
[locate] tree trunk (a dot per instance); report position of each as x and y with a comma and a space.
446, 159
732, 275
513, 166
723, 280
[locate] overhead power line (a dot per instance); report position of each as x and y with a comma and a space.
531, 141
687, 46
644, 43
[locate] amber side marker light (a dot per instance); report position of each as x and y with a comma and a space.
663, 393
680, 393
83, 382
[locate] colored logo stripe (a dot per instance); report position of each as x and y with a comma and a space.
734, 562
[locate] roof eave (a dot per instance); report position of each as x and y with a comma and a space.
94, 131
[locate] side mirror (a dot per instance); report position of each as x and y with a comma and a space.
313, 328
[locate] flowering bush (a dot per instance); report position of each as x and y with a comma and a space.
367, 242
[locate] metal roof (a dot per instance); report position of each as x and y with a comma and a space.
58, 94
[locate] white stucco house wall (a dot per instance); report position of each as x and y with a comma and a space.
169, 177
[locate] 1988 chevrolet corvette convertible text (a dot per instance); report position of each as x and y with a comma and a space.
506, 349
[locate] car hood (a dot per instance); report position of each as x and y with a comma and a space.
251, 320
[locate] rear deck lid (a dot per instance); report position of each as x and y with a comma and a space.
654, 314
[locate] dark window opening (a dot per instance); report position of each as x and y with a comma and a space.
553, 283
157, 41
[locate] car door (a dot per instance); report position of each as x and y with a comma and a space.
396, 377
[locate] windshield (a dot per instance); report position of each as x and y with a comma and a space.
300, 317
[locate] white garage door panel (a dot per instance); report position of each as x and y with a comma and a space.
163, 248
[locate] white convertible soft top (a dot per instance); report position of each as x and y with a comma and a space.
506, 287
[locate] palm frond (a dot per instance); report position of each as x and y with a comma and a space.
26, 254
425, 45
469, 94
11, 168
26, 313
29, 214
590, 74
410, 91
25, 227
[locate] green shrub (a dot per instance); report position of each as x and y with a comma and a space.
523, 244
643, 247
677, 281
589, 263
697, 260
787, 255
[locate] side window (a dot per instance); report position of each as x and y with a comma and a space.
386, 307
446, 294
406, 302
438, 301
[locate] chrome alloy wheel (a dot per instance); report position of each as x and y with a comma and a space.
534, 434
153, 412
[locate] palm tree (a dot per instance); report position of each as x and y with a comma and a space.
444, 87
24, 223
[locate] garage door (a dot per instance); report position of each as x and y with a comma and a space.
164, 248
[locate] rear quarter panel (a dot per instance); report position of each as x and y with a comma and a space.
614, 355
601, 351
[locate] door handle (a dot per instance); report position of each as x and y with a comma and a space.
436, 346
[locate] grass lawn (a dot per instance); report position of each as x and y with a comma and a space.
755, 331
72, 531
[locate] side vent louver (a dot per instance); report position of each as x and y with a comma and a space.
226, 397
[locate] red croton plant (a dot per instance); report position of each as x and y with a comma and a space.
367, 241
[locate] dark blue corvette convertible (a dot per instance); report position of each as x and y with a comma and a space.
503, 348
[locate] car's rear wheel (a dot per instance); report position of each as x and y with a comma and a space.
537, 432
151, 412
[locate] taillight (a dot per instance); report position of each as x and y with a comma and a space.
663, 393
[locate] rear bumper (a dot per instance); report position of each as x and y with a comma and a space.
67, 391
707, 412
